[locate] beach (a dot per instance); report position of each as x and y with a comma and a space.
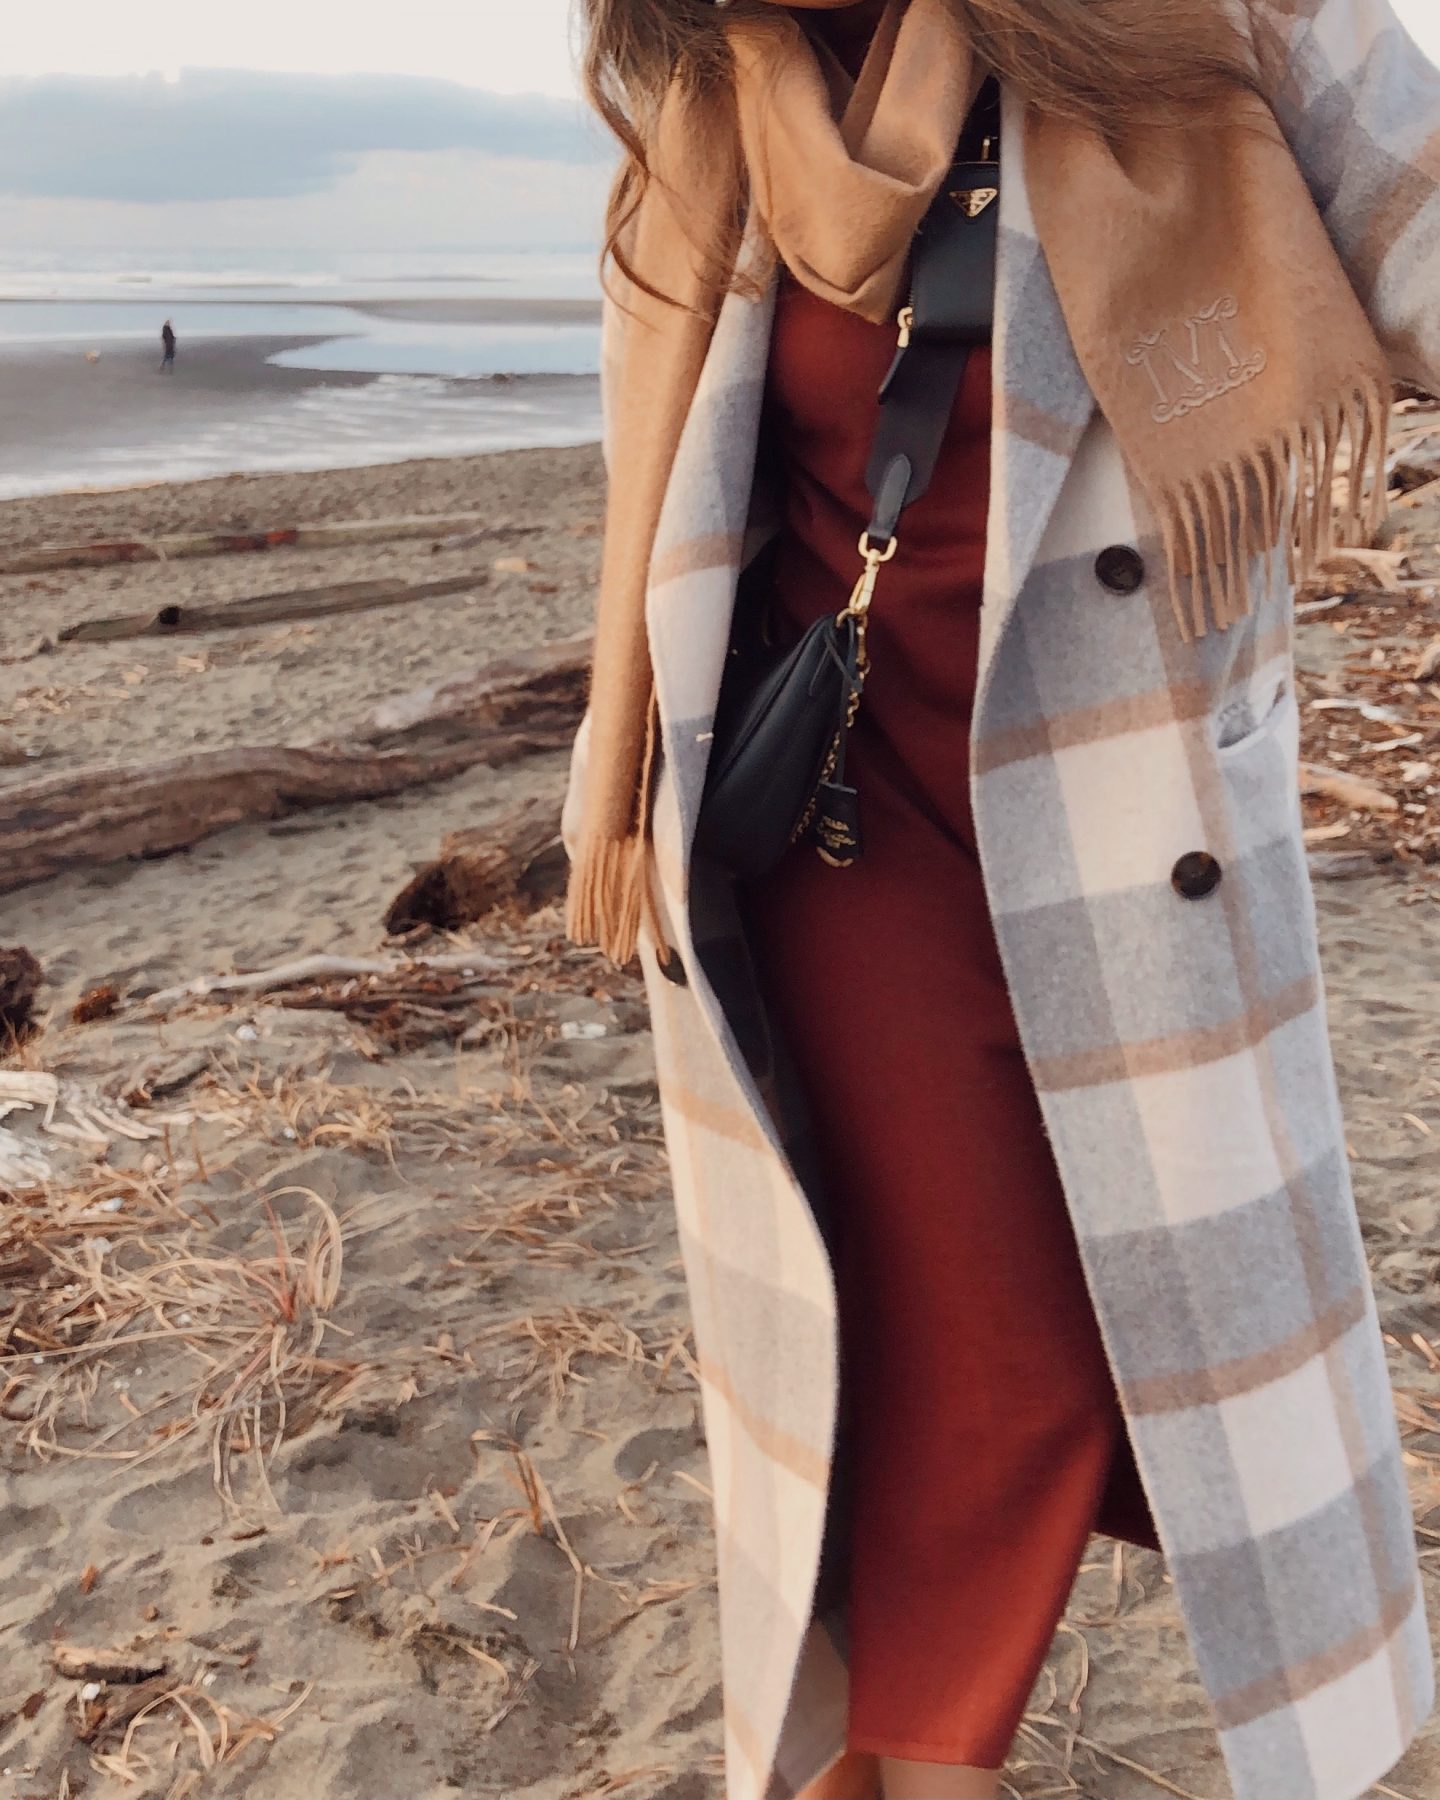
69, 422
352, 1441
296, 367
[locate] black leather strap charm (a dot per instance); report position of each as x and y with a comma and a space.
892, 476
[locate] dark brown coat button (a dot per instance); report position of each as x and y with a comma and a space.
673, 969
1121, 569
1195, 875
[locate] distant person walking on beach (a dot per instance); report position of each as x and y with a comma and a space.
974, 910
167, 339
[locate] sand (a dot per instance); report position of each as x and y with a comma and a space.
472, 1556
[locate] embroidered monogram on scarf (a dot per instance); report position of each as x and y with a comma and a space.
1204, 367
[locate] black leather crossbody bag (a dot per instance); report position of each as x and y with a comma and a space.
777, 764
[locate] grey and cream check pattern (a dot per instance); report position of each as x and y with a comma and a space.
1178, 1045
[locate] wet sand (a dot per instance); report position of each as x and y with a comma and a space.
66, 421
53, 395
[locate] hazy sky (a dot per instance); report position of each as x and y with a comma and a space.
508, 46
373, 125
235, 159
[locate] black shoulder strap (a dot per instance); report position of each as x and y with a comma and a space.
951, 311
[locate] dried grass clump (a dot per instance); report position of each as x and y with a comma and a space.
240, 1338
550, 1345
167, 1737
306, 1110
1053, 1756
596, 1155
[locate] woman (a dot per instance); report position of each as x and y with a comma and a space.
1009, 1167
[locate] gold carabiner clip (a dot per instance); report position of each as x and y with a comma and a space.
864, 590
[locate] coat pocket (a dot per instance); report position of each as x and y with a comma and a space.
1254, 714
1260, 772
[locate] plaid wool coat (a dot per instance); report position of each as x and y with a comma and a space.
1178, 1046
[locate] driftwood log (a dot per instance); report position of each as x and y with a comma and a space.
520, 859
127, 1666
542, 690
267, 609
103, 815
505, 710
321, 536
21, 978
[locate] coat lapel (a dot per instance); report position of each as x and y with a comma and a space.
1042, 402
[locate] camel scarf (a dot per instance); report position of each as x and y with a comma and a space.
1204, 300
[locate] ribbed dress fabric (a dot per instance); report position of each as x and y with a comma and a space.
987, 1437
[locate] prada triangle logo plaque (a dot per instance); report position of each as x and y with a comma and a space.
973, 201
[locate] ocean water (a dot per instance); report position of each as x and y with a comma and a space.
123, 296
541, 274
448, 371
390, 419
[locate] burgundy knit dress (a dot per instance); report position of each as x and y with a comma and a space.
988, 1439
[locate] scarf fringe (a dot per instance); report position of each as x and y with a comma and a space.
603, 903
610, 898
1217, 523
